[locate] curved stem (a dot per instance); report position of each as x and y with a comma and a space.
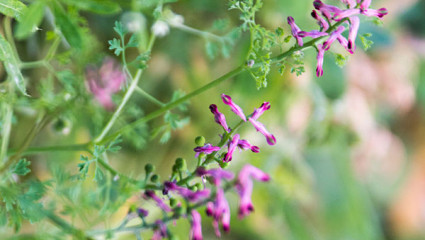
150, 97
59, 148
124, 101
196, 32
7, 126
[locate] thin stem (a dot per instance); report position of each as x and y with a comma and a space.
149, 97
68, 228
34, 64
116, 173
197, 32
177, 102
124, 101
9, 35
59, 148
7, 126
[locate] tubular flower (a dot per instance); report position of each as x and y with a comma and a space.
271, 140
352, 34
295, 31
160, 231
320, 56
312, 34
235, 108
216, 174
259, 111
334, 35
219, 117
151, 194
244, 187
220, 211
322, 22
105, 81
231, 147
244, 145
186, 193
207, 149
196, 229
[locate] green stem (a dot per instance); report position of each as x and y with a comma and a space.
7, 125
150, 97
177, 102
78, 234
197, 32
116, 173
59, 148
124, 101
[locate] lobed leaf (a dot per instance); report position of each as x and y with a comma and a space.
31, 19
67, 27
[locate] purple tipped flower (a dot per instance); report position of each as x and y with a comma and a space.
295, 30
322, 22
320, 56
216, 174
346, 13
219, 117
244, 187
220, 211
333, 37
380, 13
231, 147
196, 229
104, 82
354, 27
350, 3
344, 42
259, 111
312, 34
235, 108
142, 212
151, 194
160, 230
271, 140
186, 193
207, 149
244, 144
325, 9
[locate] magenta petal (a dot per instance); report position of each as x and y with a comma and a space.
354, 27
235, 108
196, 229
271, 140
320, 56
232, 146
295, 30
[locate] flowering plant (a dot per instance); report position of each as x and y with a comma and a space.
77, 106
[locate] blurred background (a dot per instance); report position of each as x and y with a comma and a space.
349, 162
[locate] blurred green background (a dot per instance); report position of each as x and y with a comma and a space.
349, 159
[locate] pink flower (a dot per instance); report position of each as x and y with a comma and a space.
312, 34
186, 193
244, 145
207, 149
320, 56
244, 187
105, 81
151, 194
235, 108
196, 229
231, 147
271, 140
295, 30
352, 34
220, 211
324, 25
346, 13
216, 174
334, 35
160, 230
219, 117
259, 111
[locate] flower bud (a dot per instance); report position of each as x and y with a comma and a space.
180, 164
224, 164
173, 202
199, 186
200, 141
155, 178
149, 168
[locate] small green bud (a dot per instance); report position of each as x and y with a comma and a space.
224, 164
179, 211
200, 141
202, 155
149, 168
199, 186
155, 178
173, 202
175, 168
181, 164
193, 188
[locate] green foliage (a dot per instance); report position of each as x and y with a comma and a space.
96, 6
341, 60
11, 64
115, 45
367, 43
68, 27
21, 168
12, 8
31, 20
118, 46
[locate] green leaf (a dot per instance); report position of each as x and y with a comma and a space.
212, 49
21, 168
3, 217
12, 8
132, 42
31, 19
365, 41
96, 6
115, 45
98, 174
119, 29
11, 64
67, 27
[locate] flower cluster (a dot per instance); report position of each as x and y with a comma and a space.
221, 180
235, 141
327, 15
